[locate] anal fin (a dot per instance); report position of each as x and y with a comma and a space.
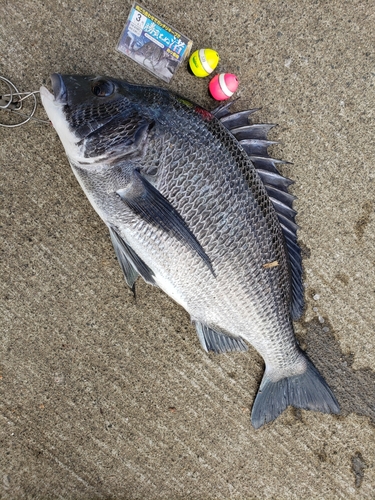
214, 341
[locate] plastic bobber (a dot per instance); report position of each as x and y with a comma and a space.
202, 62
223, 86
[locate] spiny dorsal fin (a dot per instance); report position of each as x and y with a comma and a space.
257, 146
263, 162
255, 131
275, 180
235, 119
253, 139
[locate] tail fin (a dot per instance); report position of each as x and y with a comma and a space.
308, 391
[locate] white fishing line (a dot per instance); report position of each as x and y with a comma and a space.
13, 102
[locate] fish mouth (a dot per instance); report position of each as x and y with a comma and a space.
59, 93
59, 88
54, 104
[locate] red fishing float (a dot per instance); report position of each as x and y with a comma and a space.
223, 86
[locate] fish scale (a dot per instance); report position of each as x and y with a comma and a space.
195, 205
212, 240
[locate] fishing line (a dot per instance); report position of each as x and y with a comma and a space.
13, 102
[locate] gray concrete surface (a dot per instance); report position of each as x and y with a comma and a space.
106, 397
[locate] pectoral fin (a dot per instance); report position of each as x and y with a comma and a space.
147, 202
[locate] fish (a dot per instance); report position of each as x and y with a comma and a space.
195, 205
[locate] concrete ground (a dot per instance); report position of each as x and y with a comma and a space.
106, 397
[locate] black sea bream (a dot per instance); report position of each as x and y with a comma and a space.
195, 206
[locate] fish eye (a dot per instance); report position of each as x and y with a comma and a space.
102, 88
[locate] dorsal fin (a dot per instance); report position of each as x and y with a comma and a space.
236, 119
276, 180
282, 196
253, 139
257, 146
255, 131
283, 208
263, 162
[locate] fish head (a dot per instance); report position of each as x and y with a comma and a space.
96, 117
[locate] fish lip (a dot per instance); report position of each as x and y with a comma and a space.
59, 88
